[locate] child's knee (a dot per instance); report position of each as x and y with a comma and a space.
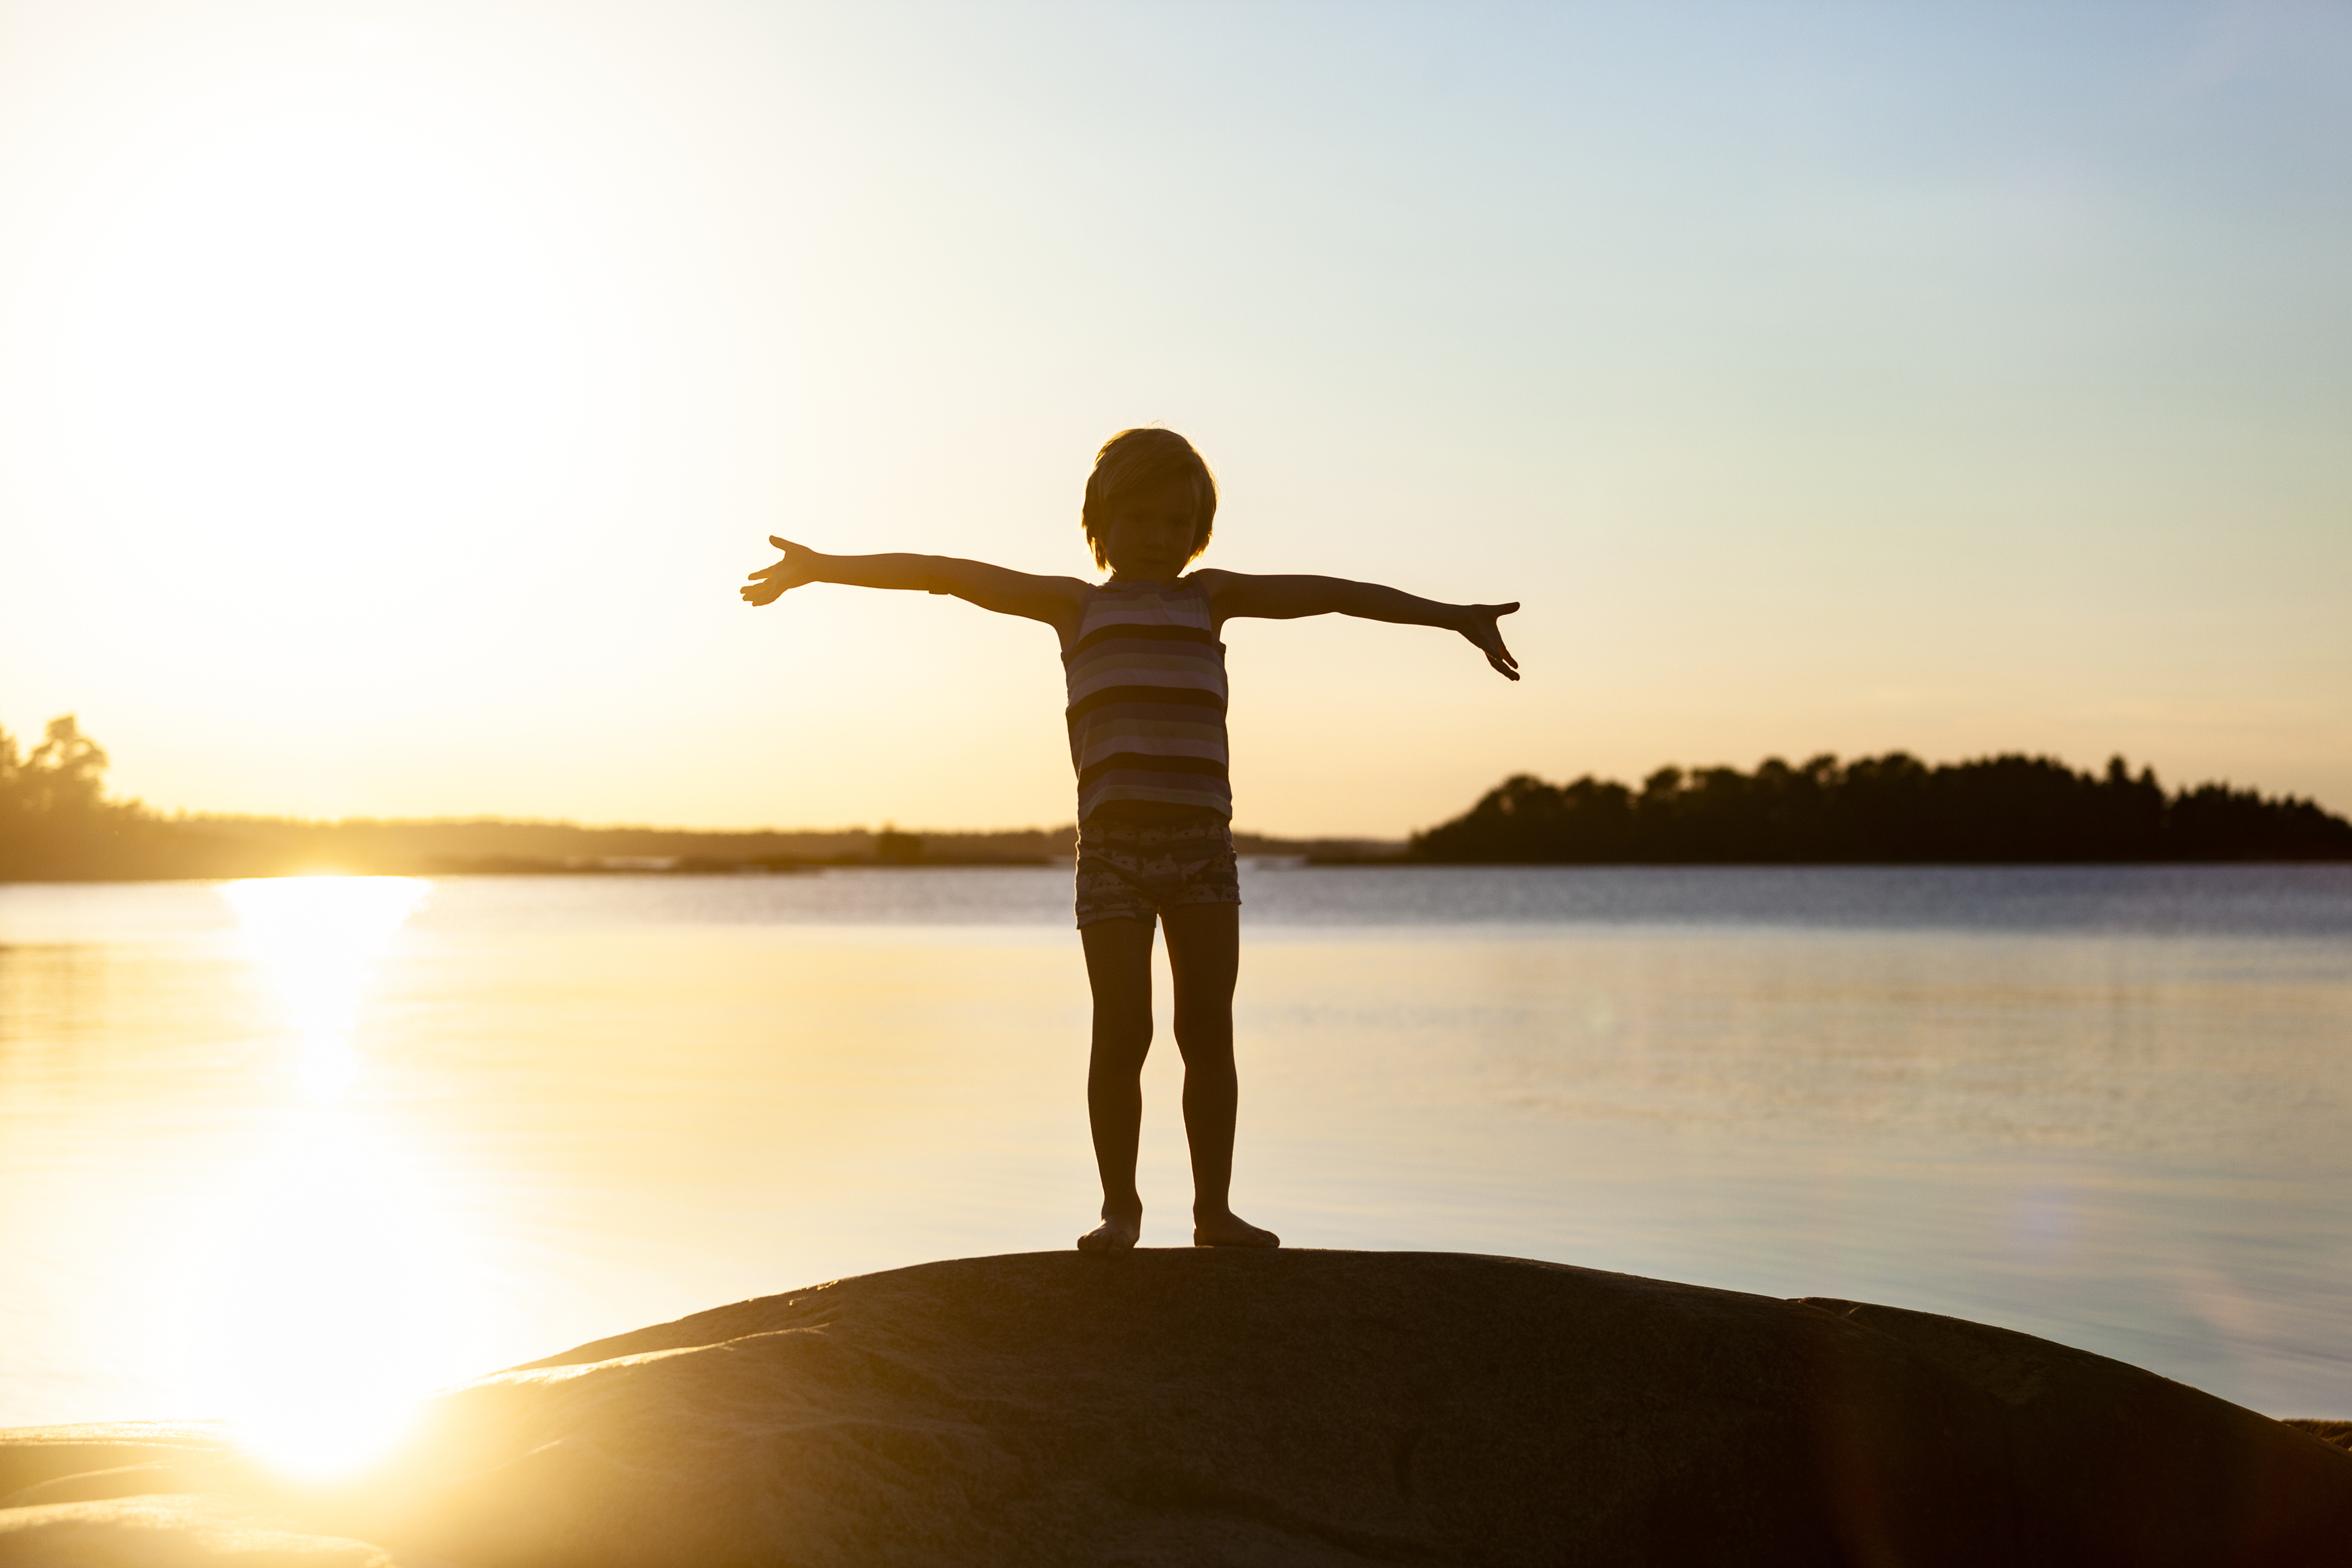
1200, 1017
1123, 1033
1205, 1039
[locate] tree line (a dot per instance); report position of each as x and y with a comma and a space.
57, 824
1889, 809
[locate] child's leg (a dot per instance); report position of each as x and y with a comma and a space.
1118, 971
1203, 957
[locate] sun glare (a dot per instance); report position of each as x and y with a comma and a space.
319, 1319
319, 316
317, 938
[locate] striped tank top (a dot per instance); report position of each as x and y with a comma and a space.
1147, 708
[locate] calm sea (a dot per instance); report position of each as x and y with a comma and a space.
343, 1139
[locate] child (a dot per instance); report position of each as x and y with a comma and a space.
1147, 718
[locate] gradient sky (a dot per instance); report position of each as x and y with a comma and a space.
391, 396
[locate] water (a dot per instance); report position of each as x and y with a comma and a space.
288, 1152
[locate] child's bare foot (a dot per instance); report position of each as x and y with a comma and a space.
1112, 1236
1229, 1229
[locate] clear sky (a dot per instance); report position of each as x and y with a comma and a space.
393, 395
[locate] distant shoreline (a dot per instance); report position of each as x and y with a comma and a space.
707, 868
225, 848
211, 848
56, 825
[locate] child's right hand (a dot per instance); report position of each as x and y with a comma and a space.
798, 566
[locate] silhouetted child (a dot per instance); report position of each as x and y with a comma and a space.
1147, 718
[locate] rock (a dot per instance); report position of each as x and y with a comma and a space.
47, 1457
2338, 1433
1303, 1407
169, 1531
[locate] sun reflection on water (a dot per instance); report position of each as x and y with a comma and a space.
318, 938
317, 1319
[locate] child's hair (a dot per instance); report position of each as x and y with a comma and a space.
1135, 460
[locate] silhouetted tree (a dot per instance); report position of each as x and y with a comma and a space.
56, 822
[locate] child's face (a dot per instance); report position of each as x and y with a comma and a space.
1150, 533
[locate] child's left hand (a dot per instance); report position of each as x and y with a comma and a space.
1478, 626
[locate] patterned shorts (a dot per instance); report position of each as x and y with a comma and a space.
1132, 871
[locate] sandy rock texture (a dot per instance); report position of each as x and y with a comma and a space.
1297, 1407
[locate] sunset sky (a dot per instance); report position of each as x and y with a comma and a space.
391, 396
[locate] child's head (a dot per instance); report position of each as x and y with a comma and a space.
1137, 463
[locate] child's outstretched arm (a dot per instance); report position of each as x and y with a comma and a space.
1238, 593
1008, 593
